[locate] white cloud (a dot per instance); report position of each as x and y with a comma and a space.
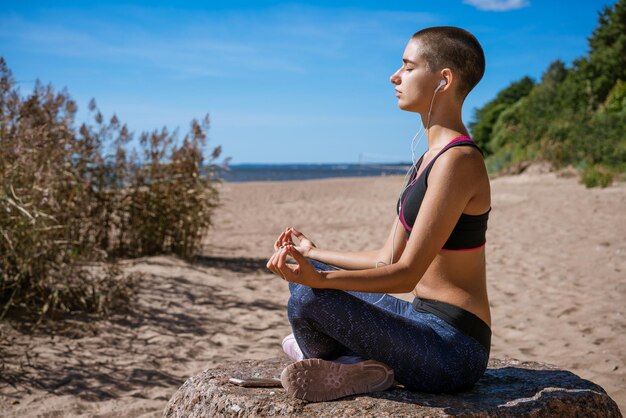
498, 5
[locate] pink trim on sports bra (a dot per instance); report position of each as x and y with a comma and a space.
465, 249
414, 181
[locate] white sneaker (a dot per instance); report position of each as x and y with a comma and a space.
291, 348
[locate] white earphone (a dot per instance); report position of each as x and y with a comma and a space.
442, 83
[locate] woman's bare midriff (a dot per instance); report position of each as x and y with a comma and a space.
458, 278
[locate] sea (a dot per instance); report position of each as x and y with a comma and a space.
238, 173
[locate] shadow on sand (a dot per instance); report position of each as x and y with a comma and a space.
171, 321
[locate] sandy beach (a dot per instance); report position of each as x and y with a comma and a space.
556, 255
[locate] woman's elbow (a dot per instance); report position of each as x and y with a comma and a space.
381, 258
406, 288
407, 278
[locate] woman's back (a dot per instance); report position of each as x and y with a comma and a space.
457, 274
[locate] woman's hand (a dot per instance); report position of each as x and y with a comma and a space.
286, 238
302, 272
282, 240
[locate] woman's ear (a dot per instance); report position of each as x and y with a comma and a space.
447, 76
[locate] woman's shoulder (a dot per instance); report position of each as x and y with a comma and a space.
461, 160
460, 177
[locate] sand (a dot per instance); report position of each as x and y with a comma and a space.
556, 269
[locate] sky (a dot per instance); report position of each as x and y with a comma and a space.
282, 82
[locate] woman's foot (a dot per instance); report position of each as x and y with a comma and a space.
291, 348
321, 380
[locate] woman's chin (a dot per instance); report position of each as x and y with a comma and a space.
406, 106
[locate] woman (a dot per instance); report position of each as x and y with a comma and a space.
354, 338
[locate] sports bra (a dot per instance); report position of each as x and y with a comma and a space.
469, 231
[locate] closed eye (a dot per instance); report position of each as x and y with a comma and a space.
408, 65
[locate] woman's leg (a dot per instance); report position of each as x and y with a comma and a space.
315, 379
383, 300
331, 348
425, 353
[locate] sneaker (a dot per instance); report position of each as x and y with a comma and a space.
318, 380
291, 348
293, 351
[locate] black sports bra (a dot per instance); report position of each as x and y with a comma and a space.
469, 231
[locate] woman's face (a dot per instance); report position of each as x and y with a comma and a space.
415, 84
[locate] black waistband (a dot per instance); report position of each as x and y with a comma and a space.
464, 321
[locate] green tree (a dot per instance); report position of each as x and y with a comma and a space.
594, 75
571, 116
486, 116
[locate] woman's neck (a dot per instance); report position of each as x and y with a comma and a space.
440, 135
445, 124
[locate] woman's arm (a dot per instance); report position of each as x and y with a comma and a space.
452, 183
362, 260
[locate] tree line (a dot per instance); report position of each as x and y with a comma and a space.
574, 116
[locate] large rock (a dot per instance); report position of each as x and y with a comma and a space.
509, 388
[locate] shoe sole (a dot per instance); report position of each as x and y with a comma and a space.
320, 380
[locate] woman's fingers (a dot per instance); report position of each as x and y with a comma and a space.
272, 264
285, 271
287, 238
297, 233
279, 242
269, 262
278, 261
283, 239
301, 237
278, 264
297, 255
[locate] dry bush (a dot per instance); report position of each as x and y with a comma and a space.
68, 208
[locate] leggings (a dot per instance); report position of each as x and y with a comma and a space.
426, 353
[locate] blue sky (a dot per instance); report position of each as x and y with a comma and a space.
282, 81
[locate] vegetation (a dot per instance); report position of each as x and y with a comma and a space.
72, 200
574, 116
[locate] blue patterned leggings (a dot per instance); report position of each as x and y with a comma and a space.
426, 353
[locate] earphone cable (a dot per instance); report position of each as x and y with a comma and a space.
408, 183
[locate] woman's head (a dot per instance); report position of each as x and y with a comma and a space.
435, 54
456, 49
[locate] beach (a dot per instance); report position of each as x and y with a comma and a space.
556, 265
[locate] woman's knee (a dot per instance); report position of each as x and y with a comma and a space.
307, 302
300, 297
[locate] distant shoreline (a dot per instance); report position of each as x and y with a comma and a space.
239, 173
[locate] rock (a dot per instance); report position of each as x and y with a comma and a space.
509, 388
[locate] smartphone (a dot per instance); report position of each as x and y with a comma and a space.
255, 382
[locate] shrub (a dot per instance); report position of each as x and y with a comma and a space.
596, 175
68, 208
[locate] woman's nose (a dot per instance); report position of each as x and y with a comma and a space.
395, 77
